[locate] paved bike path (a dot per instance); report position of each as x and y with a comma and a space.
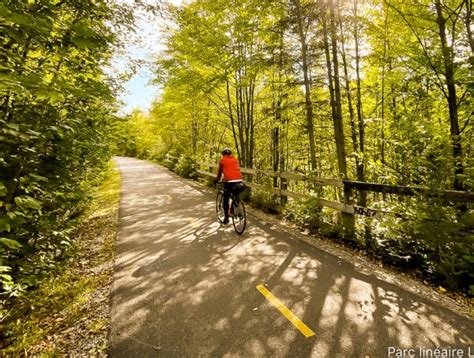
184, 286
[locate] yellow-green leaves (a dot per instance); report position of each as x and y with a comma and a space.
5, 224
3, 189
11, 244
25, 202
56, 111
85, 42
50, 95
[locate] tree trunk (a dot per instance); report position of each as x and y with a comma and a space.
452, 101
251, 139
338, 124
232, 121
360, 118
307, 85
276, 153
468, 28
355, 145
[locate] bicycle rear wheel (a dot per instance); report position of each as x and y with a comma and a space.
239, 219
220, 207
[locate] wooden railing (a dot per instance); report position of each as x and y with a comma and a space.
348, 187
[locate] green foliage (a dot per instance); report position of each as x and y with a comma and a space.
56, 122
427, 236
437, 240
186, 167
60, 300
266, 200
138, 136
305, 212
232, 75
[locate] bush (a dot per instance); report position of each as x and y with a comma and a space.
186, 167
309, 214
266, 200
432, 238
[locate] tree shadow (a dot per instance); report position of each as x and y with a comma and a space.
184, 286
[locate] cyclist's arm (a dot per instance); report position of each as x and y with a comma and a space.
219, 173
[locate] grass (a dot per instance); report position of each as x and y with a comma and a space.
43, 321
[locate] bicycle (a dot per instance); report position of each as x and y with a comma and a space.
236, 208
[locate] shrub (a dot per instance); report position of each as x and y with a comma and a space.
266, 200
186, 167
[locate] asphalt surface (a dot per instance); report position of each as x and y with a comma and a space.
184, 286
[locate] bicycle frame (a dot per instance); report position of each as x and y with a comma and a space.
236, 209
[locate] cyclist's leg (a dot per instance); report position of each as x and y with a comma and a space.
227, 191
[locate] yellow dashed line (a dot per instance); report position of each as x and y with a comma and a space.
304, 329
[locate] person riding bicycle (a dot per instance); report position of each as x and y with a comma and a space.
233, 180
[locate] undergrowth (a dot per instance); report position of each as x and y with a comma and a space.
35, 322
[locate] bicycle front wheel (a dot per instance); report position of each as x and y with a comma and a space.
239, 219
220, 207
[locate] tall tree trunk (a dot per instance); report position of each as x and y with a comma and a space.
452, 101
348, 220
355, 145
382, 149
329, 68
279, 158
232, 121
360, 118
276, 107
194, 135
251, 140
307, 84
467, 20
276, 153
338, 124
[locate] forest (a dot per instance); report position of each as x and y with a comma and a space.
366, 91
361, 90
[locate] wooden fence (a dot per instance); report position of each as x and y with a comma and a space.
348, 187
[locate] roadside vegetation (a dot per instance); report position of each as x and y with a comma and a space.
58, 111
68, 313
360, 90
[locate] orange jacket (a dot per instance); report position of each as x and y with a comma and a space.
229, 166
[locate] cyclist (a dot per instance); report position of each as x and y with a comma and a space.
233, 180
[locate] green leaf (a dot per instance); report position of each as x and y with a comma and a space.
84, 30
85, 42
11, 244
38, 177
11, 83
5, 268
5, 277
4, 224
12, 215
51, 95
3, 189
27, 202
21, 19
13, 126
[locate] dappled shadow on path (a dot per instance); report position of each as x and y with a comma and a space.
184, 286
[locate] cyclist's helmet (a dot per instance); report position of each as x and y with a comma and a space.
226, 151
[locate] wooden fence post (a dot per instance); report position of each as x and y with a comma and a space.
348, 219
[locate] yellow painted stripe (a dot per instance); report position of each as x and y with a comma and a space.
307, 332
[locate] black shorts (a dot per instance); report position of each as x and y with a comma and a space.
235, 187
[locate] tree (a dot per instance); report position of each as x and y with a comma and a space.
441, 61
56, 119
